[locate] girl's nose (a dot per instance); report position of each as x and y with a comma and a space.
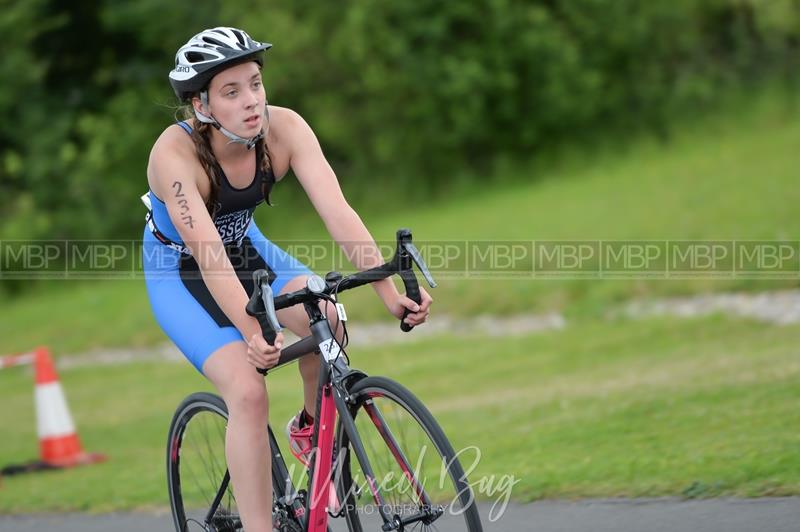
253, 100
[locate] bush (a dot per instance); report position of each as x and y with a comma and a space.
407, 90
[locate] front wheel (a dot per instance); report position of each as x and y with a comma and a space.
416, 471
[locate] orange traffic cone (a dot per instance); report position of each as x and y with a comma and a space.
59, 445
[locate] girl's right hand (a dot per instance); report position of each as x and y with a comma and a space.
262, 355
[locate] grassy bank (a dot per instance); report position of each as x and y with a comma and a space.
728, 177
602, 409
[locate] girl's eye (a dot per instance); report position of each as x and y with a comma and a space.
256, 84
231, 93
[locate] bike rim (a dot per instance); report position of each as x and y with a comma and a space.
198, 468
418, 474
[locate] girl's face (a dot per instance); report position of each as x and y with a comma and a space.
237, 99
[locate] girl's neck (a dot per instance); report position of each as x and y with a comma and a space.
224, 149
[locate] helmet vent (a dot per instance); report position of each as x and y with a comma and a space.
198, 57
213, 41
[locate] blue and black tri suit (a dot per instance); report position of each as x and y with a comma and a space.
181, 302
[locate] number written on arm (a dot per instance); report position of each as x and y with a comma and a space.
184, 204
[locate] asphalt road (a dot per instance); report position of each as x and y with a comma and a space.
651, 515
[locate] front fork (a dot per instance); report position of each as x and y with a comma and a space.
330, 401
390, 522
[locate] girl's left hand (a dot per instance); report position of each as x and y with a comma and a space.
419, 313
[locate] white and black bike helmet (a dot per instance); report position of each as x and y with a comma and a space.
205, 55
209, 52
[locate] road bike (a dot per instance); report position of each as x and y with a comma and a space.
380, 460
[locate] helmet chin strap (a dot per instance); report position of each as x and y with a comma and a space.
234, 138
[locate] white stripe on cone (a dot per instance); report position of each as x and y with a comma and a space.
52, 415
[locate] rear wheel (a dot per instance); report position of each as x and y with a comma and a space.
197, 473
415, 468
196, 467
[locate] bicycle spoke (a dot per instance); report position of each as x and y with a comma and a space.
212, 473
407, 452
215, 467
197, 482
221, 433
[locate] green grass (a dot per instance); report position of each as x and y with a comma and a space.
726, 177
602, 409
72, 317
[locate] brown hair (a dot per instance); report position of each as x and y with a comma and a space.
201, 135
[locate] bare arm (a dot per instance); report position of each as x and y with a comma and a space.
320, 183
344, 225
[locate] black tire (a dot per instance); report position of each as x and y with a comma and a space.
415, 430
196, 464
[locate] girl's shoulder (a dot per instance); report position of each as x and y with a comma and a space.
174, 142
173, 153
283, 120
287, 128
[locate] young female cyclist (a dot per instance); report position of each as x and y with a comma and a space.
206, 176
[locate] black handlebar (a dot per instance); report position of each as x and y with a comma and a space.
407, 274
262, 304
261, 307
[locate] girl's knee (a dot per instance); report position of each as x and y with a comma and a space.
309, 367
247, 398
242, 388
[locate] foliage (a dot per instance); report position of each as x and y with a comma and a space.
404, 90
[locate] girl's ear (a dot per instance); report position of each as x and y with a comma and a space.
197, 105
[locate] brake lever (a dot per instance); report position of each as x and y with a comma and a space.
262, 307
269, 307
255, 303
415, 255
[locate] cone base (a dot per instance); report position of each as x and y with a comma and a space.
78, 460
66, 451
